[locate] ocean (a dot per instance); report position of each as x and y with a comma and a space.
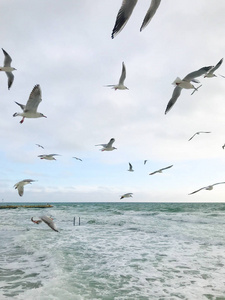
132, 251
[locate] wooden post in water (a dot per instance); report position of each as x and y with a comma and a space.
74, 221
79, 221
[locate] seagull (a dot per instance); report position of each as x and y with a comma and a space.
39, 146
145, 161
77, 158
185, 83
120, 85
223, 146
30, 109
198, 133
160, 170
48, 220
20, 185
208, 188
211, 71
7, 68
127, 195
126, 10
107, 147
48, 156
130, 168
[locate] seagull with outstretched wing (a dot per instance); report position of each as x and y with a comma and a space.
160, 170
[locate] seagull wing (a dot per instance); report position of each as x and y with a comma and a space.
175, 96
216, 66
150, 13
197, 73
7, 60
110, 143
218, 183
21, 105
197, 191
166, 168
192, 136
123, 15
19, 187
123, 74
130, 166
34, 99
49, 222
10, 79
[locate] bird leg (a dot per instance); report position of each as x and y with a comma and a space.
22, 121
196, 89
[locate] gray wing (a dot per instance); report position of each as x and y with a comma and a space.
34, 99
130, 166
166, 168
192, 136
123, 15
123, 74
7, 60
49, 222
150, 13
110, 142
175, 96
20, 188
197, 73
197, 191
21, 105
216, 66
218, 183
10, 79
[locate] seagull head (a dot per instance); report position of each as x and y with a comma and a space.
41, 115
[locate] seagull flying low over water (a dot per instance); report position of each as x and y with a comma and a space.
160, 170
107, 147
48, 156
126, 11
48, 220
198, 133
30, 109
127, 195
185, 83
130, 168
20, 185
120, 85
208, 188
211, 71
7, 68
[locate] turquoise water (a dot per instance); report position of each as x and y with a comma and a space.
119, 251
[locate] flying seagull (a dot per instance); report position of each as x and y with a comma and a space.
39, 146
130, 168
145, 161
7, 68
213, 69
30, 109
126, 10
185, 83
208, 188
48, 156
198, 133
20, 185
223, 146
107, 147
127, 195
77, 158
120, 85
160, 170
48, 220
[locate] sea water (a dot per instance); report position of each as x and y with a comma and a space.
119, 251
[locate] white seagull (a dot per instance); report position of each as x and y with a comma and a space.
107, 147
48, 156
185, 83
30, 109
7, 68
48, 220
198, 133
20, 185
126, 10
160, 170
208, 188
120, 85
127, 195
213, 69
130, 168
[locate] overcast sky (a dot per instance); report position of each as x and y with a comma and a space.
66, 47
